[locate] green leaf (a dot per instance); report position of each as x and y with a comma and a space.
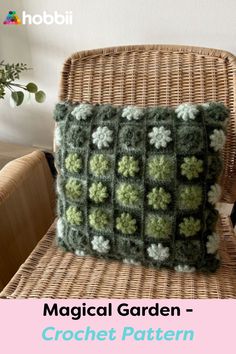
20, 95
31, 87
40, 96
14, 96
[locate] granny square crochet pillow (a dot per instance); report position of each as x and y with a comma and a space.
140, 184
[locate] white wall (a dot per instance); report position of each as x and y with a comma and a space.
99, 23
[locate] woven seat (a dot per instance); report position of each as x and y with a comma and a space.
51, 273
143, 76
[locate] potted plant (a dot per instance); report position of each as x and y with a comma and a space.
9, 74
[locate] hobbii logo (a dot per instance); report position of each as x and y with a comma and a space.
38, 19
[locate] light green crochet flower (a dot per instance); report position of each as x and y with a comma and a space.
74, 216
99, 165
126, 224
98, 192
127, 194
98, 219
158, 198
190, 197
73, 163
192, 167
73, 188
128, 166
158, 227
190, 226
160, 168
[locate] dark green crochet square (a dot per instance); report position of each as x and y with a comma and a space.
140, 184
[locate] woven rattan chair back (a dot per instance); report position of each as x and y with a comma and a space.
154, 75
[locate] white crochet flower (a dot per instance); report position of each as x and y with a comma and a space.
60, 228
79, 252
213, 243
214, 194
102, 137
186, 111
100, 245
130, 261
57, 135
217, 139
131, 112
83, 111
158, 252
159, 137
184, 268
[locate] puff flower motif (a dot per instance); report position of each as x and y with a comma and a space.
158, 252
98, 192
83, 111
192, 167
100, 245
128, 166
214, 194
184, 268
126, 224
158, 198
99, 165
60, 228
186, 111
160, 137
190, 226
213, 243
102, 137
217, 139
131, 112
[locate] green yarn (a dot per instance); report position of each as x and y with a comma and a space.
98, 192
192, 167
190, 226
73, 188
128, 166
159, 227
158, 198
160, 168
99, 165
133, 182
98, 219
74, 216
126, 224
127, 194
73, 163
190, 197
189, 139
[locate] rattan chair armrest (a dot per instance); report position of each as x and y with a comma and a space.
27, 201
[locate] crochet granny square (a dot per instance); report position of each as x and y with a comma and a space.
140, 184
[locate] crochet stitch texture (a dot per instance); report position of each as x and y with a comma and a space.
140, 184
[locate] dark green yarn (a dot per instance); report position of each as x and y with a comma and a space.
158, 193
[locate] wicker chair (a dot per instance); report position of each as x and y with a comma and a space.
145, 76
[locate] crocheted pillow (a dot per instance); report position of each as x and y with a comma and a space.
140, 185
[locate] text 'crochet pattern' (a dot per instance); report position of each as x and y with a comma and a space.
140, 184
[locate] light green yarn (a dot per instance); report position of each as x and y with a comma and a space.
190, 197
192, 167
98, 219
73, 188
127, 194
126, 224
99, 165
190, 226
159, 227
160, 168
158, 198
73, 163
74, 215
98, 192
128, 166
